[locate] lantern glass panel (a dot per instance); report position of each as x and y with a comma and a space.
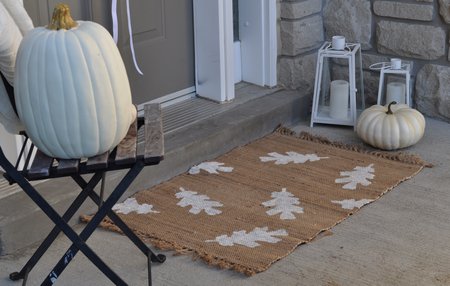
333, 70
394, 89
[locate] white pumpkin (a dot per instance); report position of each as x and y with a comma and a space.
71, 88
390, 127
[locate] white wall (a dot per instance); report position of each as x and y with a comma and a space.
8, 144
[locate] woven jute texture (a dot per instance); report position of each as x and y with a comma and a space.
244, 196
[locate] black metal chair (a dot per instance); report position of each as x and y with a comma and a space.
124, 157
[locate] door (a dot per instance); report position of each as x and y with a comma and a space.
41, 11
163, 37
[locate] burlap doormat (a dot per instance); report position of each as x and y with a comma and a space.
254, 205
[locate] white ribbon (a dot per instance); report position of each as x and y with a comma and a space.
130, 31
115, 21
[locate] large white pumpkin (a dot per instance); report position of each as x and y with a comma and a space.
71, 88
390, 127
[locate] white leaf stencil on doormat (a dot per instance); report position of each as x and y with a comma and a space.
250, 239
359, 175
211, 168
351, 204
285, 204
197, 202
291, 157
131, 205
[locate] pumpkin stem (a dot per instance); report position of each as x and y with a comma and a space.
389, 107
61, 18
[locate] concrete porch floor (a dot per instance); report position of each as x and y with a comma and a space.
401, 239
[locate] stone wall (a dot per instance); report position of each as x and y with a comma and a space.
302, 33
414, 30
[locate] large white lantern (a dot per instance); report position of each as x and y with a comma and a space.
338, 74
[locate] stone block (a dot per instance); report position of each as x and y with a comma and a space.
296, 10
298, 72
410, 40
444, 10
433, 91
371, 82
349, 18
401, 10
301, 36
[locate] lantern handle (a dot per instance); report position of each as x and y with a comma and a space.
379, 66
384, 65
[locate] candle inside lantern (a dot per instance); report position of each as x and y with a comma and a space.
339, 94
396, 64
338, 42
395, 92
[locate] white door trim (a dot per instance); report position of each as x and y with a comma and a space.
214, 55
251, 35
258, 35
213, 46
271, 42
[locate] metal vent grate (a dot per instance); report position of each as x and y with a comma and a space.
195, 109
189, 111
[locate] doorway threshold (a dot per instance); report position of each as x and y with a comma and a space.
195, 109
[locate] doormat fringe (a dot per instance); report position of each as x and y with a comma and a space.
393, 155
163, 245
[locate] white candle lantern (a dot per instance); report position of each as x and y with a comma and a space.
338, 72
394, 82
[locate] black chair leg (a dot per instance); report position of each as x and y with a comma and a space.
159, 258
60, 223
56, 231
96, 220
149, 267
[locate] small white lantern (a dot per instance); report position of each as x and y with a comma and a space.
394, 82
338, 73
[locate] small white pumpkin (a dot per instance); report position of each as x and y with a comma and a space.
390, 127
71, 88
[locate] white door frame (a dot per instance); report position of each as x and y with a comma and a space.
270, 42
214, 55
258, 37
213, 48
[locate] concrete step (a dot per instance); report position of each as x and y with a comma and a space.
23, 224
